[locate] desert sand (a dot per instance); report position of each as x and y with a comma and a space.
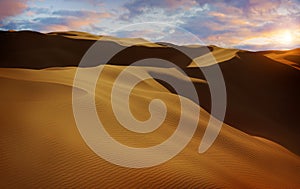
42, 147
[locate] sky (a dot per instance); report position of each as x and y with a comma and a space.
245, 24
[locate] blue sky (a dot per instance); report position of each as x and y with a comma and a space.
246, 24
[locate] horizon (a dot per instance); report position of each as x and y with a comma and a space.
248, 24
157, 42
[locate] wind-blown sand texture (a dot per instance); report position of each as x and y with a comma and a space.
41, 146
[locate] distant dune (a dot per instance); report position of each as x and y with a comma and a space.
258, 146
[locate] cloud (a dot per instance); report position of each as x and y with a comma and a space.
230, 24
76, 20
138, 7
39, 10
92, 2
59, 20
12, 8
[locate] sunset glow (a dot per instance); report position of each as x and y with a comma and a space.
285, 38
246, 24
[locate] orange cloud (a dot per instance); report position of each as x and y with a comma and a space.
57, 27
78, 23
11, 8
91, 18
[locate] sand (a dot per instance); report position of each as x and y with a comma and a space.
42, 147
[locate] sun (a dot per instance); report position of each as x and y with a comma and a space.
285, 37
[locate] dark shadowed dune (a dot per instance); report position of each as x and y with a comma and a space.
34, 50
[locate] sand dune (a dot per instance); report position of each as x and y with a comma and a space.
41, 146
290, 58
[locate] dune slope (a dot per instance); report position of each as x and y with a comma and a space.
41, 145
